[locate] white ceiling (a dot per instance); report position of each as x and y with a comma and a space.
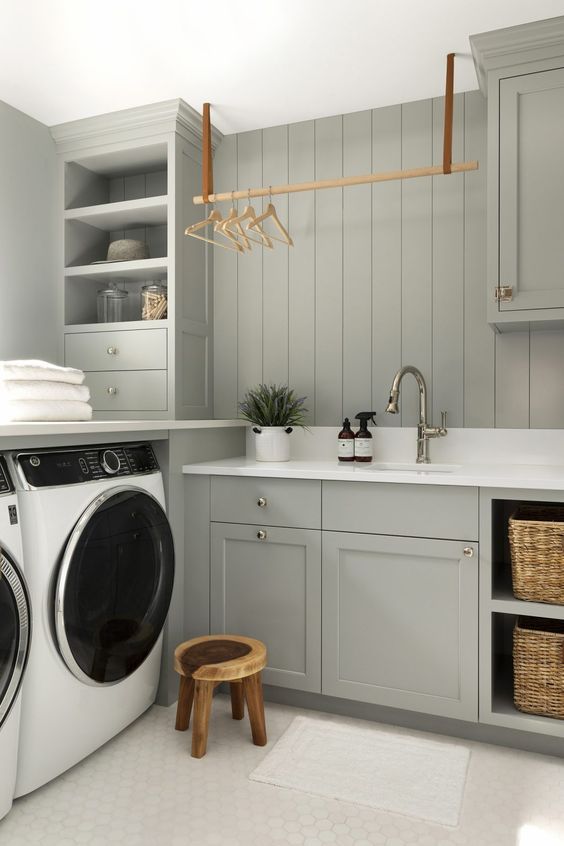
259, 62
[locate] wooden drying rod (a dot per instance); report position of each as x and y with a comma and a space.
447, 166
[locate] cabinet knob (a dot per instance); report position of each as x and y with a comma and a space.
468, 551
112, 350
112, 391
261, 534
261, 502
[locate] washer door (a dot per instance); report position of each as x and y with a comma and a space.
114, 586
14, 632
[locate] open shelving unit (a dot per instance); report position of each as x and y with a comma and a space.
499, 609
132, 174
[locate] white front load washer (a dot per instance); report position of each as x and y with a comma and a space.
100, 574
15, 620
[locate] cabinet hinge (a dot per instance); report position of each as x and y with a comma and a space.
504, 293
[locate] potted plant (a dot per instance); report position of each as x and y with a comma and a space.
274, 410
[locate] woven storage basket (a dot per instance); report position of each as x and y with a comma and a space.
536, 540
538, 666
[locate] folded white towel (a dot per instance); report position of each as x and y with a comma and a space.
12, 411
35, 389
35, 369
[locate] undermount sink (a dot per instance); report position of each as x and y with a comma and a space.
415, 468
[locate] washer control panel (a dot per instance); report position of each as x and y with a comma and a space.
6, 485
85, 464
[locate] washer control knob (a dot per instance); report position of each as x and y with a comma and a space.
110, 462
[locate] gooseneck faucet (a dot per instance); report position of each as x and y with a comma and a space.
424, 432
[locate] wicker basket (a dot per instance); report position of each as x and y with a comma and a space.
536, 540
538, 666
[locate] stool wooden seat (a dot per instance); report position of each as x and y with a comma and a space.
203, 663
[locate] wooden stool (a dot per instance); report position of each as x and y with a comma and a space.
205, 662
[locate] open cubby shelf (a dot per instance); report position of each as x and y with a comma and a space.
71, 328
126, 214
142, 270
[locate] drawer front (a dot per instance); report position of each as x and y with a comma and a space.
135, 390
423, 511
272, 502
142, 349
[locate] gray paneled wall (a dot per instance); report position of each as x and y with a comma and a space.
379, 276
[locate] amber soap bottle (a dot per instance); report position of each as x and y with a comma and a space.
363, 449
346, 442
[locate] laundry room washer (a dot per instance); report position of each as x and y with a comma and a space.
100, 577
15, 620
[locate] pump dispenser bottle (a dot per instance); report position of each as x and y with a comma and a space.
346, 442
363, 449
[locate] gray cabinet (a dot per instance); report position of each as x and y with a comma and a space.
270, 588
521, 71
400, 622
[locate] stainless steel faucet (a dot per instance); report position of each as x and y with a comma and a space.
424, 432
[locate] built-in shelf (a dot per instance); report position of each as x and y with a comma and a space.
504, 602
505, 713
71, 328
145, 269
147, 211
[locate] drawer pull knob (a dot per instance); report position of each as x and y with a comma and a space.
261, 534
261, 502
112, 350
468, 551
112, 391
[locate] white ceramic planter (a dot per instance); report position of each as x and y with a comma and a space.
272, 443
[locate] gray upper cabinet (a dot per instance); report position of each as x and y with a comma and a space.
270, 588
400, 622
521, 71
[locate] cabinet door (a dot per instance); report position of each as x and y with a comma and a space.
400, 623
531, 195
271, 589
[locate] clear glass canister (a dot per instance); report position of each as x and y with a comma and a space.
154, 301
110, 302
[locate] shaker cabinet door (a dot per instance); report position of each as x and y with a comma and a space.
531, 190
266, 583
400, 622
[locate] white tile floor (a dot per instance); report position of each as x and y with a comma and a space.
144, 789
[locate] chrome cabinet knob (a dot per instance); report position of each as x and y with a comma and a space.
468, 551
112, 391
112, 350
261, 502
261, 534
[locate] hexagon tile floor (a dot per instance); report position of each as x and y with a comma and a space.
144, 789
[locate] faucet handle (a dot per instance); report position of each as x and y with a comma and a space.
444, 421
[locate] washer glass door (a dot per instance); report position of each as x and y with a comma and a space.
14, 632
114, 586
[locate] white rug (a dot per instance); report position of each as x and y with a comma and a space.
401, 773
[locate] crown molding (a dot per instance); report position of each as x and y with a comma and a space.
140, 121
515, 44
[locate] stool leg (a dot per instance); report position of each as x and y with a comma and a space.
184, 706
203, 694
252, 687
237, 700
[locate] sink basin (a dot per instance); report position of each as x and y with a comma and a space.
414, 468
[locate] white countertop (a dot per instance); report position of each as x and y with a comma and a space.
16, 430
529, 476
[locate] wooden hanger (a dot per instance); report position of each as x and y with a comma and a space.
215, 218
271, 213
237, 235
249, 214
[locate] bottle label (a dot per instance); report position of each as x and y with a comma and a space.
346, 447
363, 447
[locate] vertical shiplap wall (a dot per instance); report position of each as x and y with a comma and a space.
379, 276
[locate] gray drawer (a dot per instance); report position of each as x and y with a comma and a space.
130, 349
422, 511
129, 390
283, 502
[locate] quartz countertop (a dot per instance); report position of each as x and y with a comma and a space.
529, 476
83, 427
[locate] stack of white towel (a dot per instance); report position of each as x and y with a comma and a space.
37, 390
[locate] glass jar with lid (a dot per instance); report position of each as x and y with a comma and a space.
154, 301
110, 303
